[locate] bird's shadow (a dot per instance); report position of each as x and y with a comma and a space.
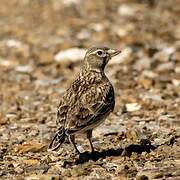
86, 156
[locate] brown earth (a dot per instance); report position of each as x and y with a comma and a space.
141, 138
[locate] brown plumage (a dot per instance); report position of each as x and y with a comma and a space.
88, 101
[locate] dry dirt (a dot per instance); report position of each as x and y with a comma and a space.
141, 138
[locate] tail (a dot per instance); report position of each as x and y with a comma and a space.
58, 139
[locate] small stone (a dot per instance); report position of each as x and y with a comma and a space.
98, 27
24, 69
72, 54
151, 95
177, 70
126, 10
19, 170
169, 50
141, 64
47, 82
164, 55
146, 83
142, 177
31, 162
159, 141
169, 66
83, 34
30, 147
176, 82
132, 135
124, 31
7, 63
17, 47
11, 115
45, 56
176, 56
43, 177
133, 107
55, 169
70, 2
149, 74
3, 120
13, 43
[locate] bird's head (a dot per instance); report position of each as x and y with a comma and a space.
96, 58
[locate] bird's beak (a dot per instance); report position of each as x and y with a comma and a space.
113, 52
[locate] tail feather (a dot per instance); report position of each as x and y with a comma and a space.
58, 139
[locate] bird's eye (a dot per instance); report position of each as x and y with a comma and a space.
99, 53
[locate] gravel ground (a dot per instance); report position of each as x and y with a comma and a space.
41, 45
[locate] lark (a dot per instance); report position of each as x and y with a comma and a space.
88, 101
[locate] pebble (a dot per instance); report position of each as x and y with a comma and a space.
151, 95
164, 55
70, 2
7, 63
24, 69
72, 54
176, 82
149, 74
29, 147
19, 170
98, 27
126, 10
177, 70
169, 66
3, 120
47, 82
43, 177
141, 64
83, 34
133, 107
13, 43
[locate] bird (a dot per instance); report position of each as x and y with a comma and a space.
88, 101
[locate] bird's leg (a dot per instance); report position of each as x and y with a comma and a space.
89, 136
72, 141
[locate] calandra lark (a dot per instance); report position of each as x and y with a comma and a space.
88, 101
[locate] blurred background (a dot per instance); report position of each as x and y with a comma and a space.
42, 43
